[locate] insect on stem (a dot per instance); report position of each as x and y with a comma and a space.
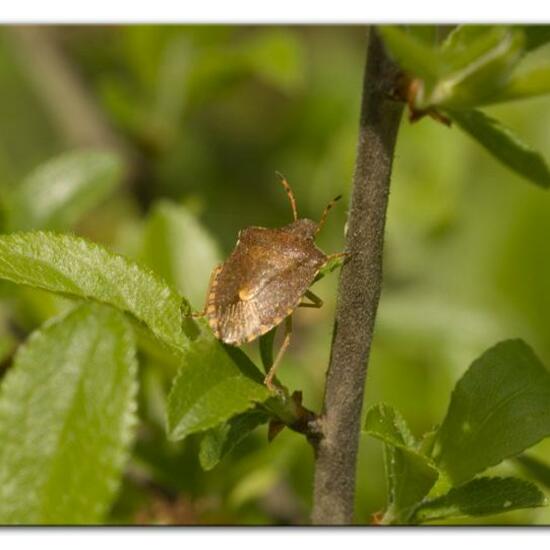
263, 281
290, 194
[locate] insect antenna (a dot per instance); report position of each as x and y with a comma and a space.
326, 211
290, 194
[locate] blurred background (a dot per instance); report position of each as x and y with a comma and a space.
201, 118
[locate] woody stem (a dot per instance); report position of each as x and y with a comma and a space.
358, 293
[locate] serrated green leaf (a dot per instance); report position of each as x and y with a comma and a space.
180, 249
215, 383
409, 474
474, 67
499, 408
75, 267
536, 36
67, 411
503, 145
221, 440
57, 193
539, 470
413, 476
414, 55
481, 497
386, 424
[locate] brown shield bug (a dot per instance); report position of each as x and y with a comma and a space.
265, 279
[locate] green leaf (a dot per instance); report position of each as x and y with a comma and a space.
530, 78
536, 36
56, 194
503, 145
471, 66
461, 37
386, 424
409, 474
67, 413
499, 408
475, 66
329, 267
469, 48
215, 383
276, 56
539, 470
180, 249
73, 266
426, 33
266, 348
219, 441
414, 55
481, 497
412, 477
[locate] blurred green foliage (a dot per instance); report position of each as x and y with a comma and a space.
204, 116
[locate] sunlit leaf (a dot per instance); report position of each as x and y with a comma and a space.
471, 66
75, 267
475, 69
503, 145
461, 37
67, 410
414, 56
530, 78
276, 56
215, 383
180, 249
56, 194
429, 34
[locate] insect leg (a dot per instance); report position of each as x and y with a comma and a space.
290, 194
316, 302
326, 211
268, 381
344, 255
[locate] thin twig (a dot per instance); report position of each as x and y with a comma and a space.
358, 295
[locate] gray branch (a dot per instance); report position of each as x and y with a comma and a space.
358, 294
